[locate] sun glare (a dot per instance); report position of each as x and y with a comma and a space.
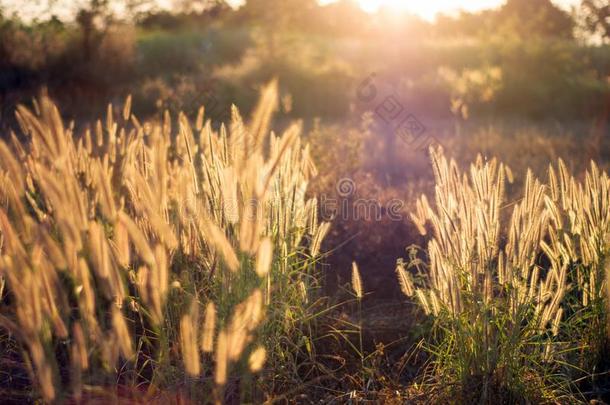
429, 8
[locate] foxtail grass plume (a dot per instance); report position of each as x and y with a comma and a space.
209, 324
114, 215
257, 359
356, 281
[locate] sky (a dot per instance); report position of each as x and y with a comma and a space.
426, 9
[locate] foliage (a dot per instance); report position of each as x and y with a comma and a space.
597, 17
168, 59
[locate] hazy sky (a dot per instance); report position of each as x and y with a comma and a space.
426, 9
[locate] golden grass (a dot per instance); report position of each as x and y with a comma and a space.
95, 231
496, 275
472, 250
357, 281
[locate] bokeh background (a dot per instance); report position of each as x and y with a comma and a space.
524, 80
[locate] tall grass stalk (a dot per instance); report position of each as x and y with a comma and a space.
139, 248
508, 291
359, 293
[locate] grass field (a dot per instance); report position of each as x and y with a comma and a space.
162, 258
296, 202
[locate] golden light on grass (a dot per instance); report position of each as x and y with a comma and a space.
220, 375
264, 257
404, 279
257, 359
99, 226
356, 281
318, 237
188, 343
523, 274
209, 325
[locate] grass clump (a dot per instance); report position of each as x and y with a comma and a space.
510, 292
145, 254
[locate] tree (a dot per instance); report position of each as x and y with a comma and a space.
91, 20
274, 18
136, 9
536, 18
280, 14
344, 17
597, 17
201, 6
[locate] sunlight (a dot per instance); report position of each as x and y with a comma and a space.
305, 201
428, 9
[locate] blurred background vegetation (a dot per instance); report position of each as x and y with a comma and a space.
527, 59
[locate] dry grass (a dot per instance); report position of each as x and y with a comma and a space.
113, 243
152, 254
515, 297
